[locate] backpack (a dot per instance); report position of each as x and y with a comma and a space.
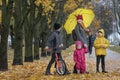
74, 36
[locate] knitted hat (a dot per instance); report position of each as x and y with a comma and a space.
79, 17
57, 26
78, 43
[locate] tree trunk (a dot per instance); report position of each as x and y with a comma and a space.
3, 49
69, 40
37, 31
28, 43
64, 38
60, 16
18, 56
36, 43
44, 34
29, 34
12, 36
6, 14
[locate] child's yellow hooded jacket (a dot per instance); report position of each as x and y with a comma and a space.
101, 41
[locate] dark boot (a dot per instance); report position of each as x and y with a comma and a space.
48, 72
67, 72
75, 70
87, 72
103, 69
97, 68
103, 65
49, 65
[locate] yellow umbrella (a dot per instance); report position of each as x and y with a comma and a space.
71, 22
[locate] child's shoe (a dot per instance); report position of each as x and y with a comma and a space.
105, 71
97, 71
48, 72
87, 72
67, 72
78, 71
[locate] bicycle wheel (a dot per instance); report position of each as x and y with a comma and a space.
60, 67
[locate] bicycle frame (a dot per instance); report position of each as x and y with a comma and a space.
56, 59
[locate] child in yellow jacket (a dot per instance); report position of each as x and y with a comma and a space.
100, 44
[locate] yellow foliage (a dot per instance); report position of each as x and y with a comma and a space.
47, 5
70, 6
96, 23
6, 1
37, 2
97, 0
0, 2
107, 13
49, 21
80, 0
88, 5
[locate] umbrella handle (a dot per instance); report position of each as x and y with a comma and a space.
83, 25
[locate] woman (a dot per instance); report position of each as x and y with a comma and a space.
81, 35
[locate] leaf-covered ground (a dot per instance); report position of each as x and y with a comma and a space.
36, 70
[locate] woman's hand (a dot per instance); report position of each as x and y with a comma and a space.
85, 45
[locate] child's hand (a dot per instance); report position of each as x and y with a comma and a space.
47, 49
61, 45
102, 46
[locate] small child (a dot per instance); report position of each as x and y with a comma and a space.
100, 44
79, 57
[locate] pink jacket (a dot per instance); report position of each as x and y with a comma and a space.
79, 56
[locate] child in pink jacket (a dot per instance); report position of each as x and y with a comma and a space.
79, 57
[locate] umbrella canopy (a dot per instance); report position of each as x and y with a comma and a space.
71, 22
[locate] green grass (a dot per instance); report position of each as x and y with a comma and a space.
115, 48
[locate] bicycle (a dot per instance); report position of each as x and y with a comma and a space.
59, 65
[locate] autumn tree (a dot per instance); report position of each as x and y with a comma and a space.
6, 15
104, 15
19, 20
29, 26
44, 8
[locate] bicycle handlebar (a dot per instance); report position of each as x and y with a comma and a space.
49, 49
